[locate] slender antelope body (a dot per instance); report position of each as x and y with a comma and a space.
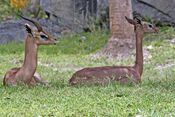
27, 73
122, 74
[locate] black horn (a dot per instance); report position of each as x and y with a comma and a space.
34, 22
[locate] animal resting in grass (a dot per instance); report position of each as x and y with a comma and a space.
122, 74
27, 73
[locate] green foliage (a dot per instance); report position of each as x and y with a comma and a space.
6, 11
154, 97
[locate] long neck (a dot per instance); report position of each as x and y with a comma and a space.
139, 50
30, 61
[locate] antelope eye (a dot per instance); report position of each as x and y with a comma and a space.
44, 37
150, 26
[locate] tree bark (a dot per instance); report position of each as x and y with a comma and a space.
122, 40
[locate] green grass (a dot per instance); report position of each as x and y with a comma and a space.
154, 97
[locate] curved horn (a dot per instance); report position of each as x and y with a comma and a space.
34, 22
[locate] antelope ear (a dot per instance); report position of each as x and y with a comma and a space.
28, 28
131, 21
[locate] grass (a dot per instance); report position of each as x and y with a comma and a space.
154, 97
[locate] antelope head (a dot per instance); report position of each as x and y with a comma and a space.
40, 36
143, 26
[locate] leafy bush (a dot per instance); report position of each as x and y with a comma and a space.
6, 10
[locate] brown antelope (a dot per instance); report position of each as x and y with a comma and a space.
27, 73
122, 74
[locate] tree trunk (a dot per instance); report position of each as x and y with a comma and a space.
122, 40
